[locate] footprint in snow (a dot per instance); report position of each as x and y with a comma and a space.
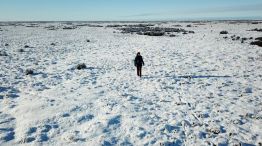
114, 121
7, 124
39, 133
65, 115
170, 129
85, 118
141, 133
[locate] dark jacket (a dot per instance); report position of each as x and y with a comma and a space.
139, 60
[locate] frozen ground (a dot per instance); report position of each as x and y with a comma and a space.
196, 89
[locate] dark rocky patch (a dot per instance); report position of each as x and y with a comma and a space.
115, 25
21, 50
151, 31
92, 25
140, 33
244, 39
140, 25
256, 22
52, 44
259, 38
26, 46
6, 44
154, 33
88, 40
200, 24
51, 27
3, 53
177, 25
133, 25
32, 25
234, 37
256, 29
81, 66
172, 35
223, 32
189, 25
258, 43
236, 22
29, 72
80, 25
69, 27
86, 24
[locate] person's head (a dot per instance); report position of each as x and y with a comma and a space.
138, 54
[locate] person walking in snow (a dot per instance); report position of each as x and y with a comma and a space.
139, 63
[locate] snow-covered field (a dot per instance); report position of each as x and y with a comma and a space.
196, 89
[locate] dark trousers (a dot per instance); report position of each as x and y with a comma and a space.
139, 70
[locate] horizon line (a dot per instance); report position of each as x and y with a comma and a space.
185, 20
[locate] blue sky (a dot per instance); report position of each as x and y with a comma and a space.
114, 10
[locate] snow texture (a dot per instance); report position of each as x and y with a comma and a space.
196, 89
